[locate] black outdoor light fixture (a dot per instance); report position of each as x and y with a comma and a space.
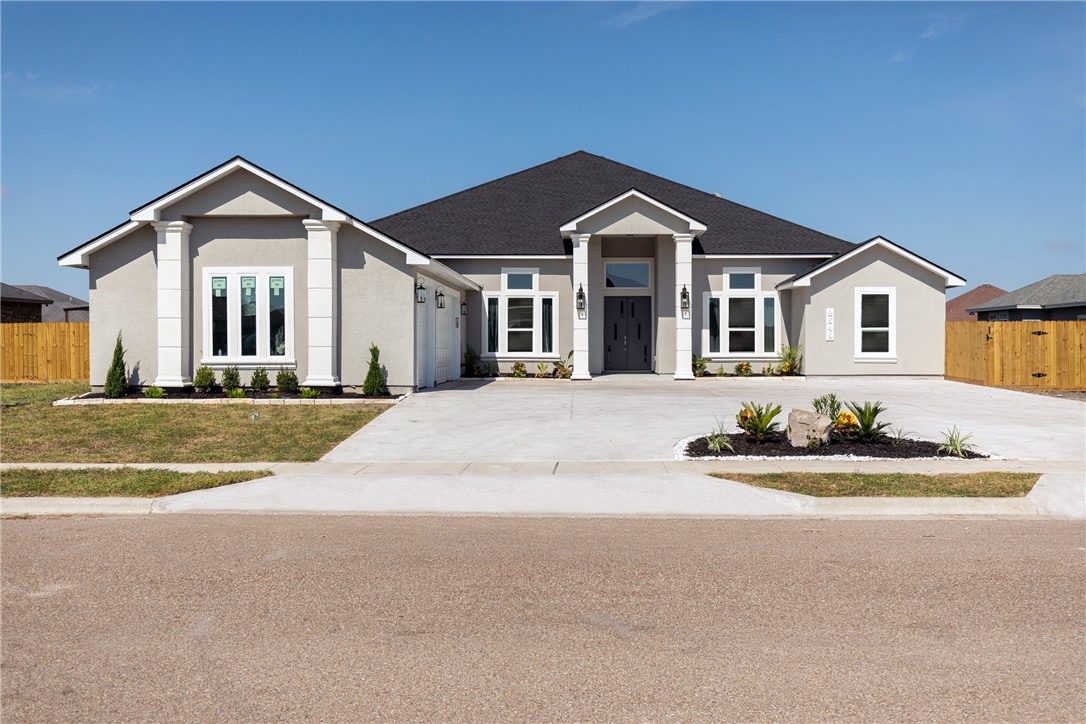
580, 297
684, 299
463, 309
420, 292
440, 297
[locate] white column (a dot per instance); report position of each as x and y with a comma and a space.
683, 333
174, 304
323, 293
580, 317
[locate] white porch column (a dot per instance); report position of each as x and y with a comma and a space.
322, 285
580, 317
683, 279
174, 304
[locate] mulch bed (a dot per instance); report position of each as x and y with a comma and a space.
779, 446
190, 393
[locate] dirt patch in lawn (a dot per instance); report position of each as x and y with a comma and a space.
778, 446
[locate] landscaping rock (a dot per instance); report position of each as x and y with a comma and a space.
804, 426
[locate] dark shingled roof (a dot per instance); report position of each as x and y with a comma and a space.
65, 307
12, 293
521, 213
1058, 290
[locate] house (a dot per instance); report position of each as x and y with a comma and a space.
628, 270
1058, 297
64, 307
19, 305
956, 309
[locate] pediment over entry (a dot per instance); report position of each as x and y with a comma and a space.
633, 213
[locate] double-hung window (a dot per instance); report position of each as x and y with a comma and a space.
741, 320
248, 315
520, 320
876, 323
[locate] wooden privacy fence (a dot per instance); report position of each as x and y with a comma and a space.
44, 352
1044, 355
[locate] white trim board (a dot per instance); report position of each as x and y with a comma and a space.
696, 227
804, 280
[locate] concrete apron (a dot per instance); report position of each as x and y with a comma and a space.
1059, 495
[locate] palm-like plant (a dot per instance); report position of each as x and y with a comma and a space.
868, 428
757, 420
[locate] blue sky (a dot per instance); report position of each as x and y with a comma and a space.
957, 130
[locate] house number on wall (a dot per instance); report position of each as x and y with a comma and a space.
829, 324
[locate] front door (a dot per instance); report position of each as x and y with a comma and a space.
627, 333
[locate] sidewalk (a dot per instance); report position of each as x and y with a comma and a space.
606, 489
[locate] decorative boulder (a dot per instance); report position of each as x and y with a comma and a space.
805, 426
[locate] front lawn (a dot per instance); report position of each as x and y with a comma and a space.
111, 482
895, 485
35, 431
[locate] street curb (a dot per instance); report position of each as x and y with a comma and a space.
74, 506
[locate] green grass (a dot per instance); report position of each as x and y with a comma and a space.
34, 431
110, 482
895, 485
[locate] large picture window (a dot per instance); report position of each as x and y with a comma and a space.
248, 316
876, 333
741, 321
520, 321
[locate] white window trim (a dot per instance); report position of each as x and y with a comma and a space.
503, 353
756, 271
759, 325
233, 290
650, 290
891, 354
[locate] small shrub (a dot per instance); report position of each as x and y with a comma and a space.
790, 361
717, 440
471, 362
563, 369
259, 380
309, 393
827, 405
375, 379
154, 393
955, 443
743, 369
757, 420
899, 435
274, 395
519, 370
720, 371
868, 428
286, 381
542, 370
700, 366
491, 370
231, 379
117, 377
235, 392
204, 379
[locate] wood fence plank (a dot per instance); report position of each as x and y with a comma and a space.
44, 352
1009, 354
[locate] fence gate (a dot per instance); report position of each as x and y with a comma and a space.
44, 352
1045, 355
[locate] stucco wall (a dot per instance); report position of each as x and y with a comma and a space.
240, 194
124, 298
376, 307
921, 310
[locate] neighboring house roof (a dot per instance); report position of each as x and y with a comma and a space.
521, 214
803, 279
1058, 290
12, 293
957, 309
64, 307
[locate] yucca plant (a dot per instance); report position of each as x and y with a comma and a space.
827, 405
955, 443
757, 420
717, 440
868, 428
790, 361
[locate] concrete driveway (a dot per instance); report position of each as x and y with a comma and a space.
641, 417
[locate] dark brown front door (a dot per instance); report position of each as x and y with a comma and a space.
627, 333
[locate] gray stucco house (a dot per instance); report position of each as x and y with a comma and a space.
628, 270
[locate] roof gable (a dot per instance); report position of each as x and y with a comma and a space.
636, 202
521, 214
804, 279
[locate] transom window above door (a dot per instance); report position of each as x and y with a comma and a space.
627, 275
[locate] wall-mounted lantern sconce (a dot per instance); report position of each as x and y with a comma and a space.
440, 297
420, 293
463, 309
580, 298
684, 299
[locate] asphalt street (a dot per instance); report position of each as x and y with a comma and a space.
211, 618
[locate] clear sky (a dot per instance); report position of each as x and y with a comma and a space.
956, 130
